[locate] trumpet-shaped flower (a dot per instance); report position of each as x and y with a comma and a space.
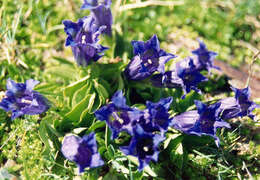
144, 146
148, 58
83, 39
156, 116
21, 99
101, 11
82, 151
190, 77
238, 106
203, 121
118, 116
204, 57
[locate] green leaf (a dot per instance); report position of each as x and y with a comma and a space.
76, 112
49, 136
147, 169
81, 93
72, 88
101, 90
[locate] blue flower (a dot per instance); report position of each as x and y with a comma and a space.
204, 59
119, 116
203, 121
167, 80
20, 99
83, 39
148, 58
101, 12
238, 106
156, 116
144, 146
185, 76
189, 75
82, 151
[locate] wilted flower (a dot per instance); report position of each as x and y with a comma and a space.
21, 99
83, 39
148, 58
204, 59
156, 116
101, 11
238, 106
144, 146
83, 151
203, 121
118, 116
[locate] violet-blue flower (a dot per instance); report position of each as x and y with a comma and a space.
148, 58
118, 115
21, 99
144, 146
167, 80
203, 121
238, 106
82, 151
190, 77
83, 39
101, 12
156, 116
204, 57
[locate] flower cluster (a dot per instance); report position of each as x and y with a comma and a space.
83, 35
147, 126
21, 99
207, 118
187, 73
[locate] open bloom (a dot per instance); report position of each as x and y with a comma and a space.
101, 12
203, 121
185, 76
118, 116
83, 39
82, 151
238, 106
190, 77
21, 99
156, 116
204, 57
144, 146
148, 58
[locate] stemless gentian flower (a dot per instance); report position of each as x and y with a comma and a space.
204, 57
156, 116
167, 80
148, 58
203, 121
119, 116
144, 146
190, 77
83, 151
83, 39
21, 99
185, 76
238, 106
101, 12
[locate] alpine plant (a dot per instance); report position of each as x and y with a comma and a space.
21, 99
82, 151
148, 58
101, 12
83, 40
